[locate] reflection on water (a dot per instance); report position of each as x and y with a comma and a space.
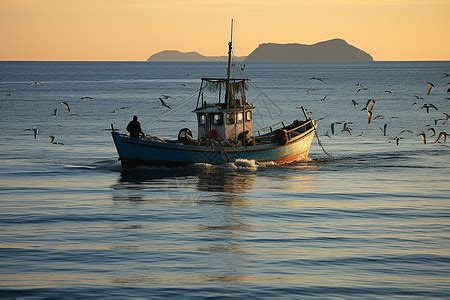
226, 182
184, 185
219, 197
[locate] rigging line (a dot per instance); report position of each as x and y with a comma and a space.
267, 104
222, 150
264, 95
320, 143
266, 107
164, 115
267, 97
316, 133
178, 106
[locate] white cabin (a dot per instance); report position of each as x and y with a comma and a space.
226, 114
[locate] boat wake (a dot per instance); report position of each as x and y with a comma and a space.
239, 165
351, 161
111, 165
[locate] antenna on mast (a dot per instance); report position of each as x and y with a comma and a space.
230, 48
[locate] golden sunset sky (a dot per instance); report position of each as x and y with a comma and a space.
131, 30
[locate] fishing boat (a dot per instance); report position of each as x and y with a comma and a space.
224, 134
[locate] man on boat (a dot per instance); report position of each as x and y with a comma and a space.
134, 128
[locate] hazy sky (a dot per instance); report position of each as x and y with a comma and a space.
134, 29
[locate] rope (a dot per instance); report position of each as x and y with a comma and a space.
320, 143
222, 150
177, 107
268, 102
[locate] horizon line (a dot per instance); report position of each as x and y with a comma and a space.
178, 61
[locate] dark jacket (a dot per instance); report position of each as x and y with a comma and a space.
134, 128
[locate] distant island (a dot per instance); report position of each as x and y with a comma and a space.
173, 55
331, 50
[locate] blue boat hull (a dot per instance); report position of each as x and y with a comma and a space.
135, 152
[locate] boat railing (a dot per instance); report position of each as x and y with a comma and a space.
270, 127
304, 124
291, 132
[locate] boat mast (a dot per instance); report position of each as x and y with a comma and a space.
230, 48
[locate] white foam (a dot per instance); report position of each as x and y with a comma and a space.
241, 165
267, 164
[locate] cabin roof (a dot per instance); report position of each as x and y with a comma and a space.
215, 79
216, 109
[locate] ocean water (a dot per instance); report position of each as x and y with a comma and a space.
373, 221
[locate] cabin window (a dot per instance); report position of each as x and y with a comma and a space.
201, 119
248, 116
240, 118
230, 118
218, 119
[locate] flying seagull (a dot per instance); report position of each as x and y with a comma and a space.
397, 140
446, 75
86, 97
388, 92
384, 129
443, 119
433, 131
370, 104
66, 105
403, 131
442, 137
349, 130
355, 104
369, 117
428, 106
35, 83
324, 98
52, 140
344, 128
417, 100
332, 126
430, 87
163, 103
316, 78
361, 89
35, 132
424, 137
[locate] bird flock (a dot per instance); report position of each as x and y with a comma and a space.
66, 106
63, 105
432, 133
